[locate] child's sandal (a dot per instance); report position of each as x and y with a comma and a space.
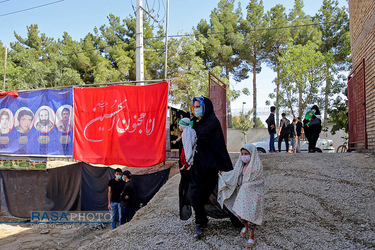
243, 232
250, 243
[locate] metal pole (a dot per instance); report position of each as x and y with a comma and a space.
139, 44
166, 42
5, 67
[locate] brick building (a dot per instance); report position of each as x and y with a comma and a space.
361, 81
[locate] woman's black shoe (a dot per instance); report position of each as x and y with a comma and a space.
198, 233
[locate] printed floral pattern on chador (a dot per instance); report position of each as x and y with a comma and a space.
245, 199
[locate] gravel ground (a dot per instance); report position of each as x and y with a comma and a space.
312, 201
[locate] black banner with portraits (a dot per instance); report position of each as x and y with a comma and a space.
37, 123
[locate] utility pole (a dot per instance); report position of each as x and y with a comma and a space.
139, 44
166, 42
5, 67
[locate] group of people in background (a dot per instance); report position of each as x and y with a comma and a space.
294, 131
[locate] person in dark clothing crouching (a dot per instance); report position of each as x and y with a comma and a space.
127, 198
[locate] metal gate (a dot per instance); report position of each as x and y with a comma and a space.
357, 107
217, 92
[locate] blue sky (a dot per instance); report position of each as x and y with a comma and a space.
79, 17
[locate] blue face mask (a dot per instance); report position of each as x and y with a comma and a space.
198, 112
118, 177
123, 178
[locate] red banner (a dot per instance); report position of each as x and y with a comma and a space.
123, 125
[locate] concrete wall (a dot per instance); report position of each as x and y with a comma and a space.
235, 139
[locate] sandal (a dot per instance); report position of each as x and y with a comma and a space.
250, 243
198, 232
243, 232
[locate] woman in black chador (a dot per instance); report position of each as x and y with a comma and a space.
198, 183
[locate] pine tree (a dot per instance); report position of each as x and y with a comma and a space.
254, 43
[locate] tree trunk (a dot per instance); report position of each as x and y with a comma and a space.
229, 112
277, 93
255, 91
328, 86
300, 111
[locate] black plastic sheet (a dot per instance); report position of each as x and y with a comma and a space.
76, 187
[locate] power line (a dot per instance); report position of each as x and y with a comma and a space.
39, 6
4, 1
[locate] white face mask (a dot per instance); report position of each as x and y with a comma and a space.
245, 158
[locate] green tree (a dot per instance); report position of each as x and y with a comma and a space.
259, 123
115, 45
277, 39
302, 29
10, 71
334, 26
223, 42
28, 54
338, 114
243, 123
119, 38
190, 79
101, 67
38, 62
302, 72
254, 42
78, 61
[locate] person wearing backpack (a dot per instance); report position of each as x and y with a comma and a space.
283, 132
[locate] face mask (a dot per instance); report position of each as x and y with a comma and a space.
198, 112
245, 158
123, 178
118, 177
